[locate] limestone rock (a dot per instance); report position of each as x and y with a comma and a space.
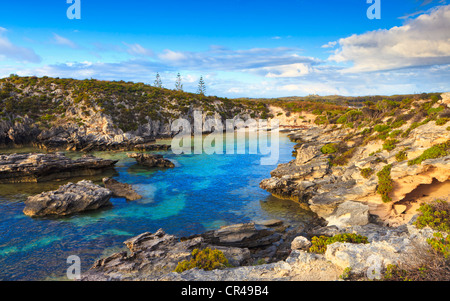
121, 189
300, 243
242, 235
306, 153
68, 199
349, 214
151, 160
39, 167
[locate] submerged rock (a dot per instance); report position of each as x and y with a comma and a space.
121, 189
151, 160
68, 199
39, 167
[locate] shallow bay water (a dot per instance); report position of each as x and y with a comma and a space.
203, 192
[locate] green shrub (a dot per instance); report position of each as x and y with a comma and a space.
440, 244
329, 148
390, 144
366, 172
319, 244
206, 259
398, 124
381, 128
385, 184
442, 121
435, 215
395, 134
436, 151
401, 156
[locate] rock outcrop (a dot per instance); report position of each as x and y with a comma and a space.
341, 194
154, 255
151, 160
385, 246
68, 199
121, 189
39, 167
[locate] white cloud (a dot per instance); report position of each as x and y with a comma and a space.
64, 41
172, 56
13, 52
423, 41
330, 44
138, 50
292, 70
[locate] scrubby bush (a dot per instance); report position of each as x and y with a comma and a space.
329, 149
401, 156
205, 259
319, 244
435, 215
436, 151
366, 172
442, 121
381, 128
385, 184
390, 144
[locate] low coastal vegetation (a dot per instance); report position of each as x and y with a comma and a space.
385, 184
319, 244
436, 151
206, 259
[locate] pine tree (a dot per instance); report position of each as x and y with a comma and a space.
178, 84
201, 86
158, 82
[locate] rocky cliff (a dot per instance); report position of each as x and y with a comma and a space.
91, 114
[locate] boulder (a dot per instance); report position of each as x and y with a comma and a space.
349, 214
243, 236
121, 189
68, 199
151, 160
300, 243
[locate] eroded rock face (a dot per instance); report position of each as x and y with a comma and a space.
38, 167
68, 199
151, 160
121, 189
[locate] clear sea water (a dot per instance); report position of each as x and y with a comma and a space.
203, 192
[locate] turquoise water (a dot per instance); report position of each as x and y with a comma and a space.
203, 192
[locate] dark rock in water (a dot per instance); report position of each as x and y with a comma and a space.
151, 160
38, 167
151, 147
242, 236
68, 199
121, 189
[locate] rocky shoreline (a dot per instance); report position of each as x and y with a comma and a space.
39, 167
364, 180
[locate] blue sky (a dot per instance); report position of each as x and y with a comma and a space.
242, 48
